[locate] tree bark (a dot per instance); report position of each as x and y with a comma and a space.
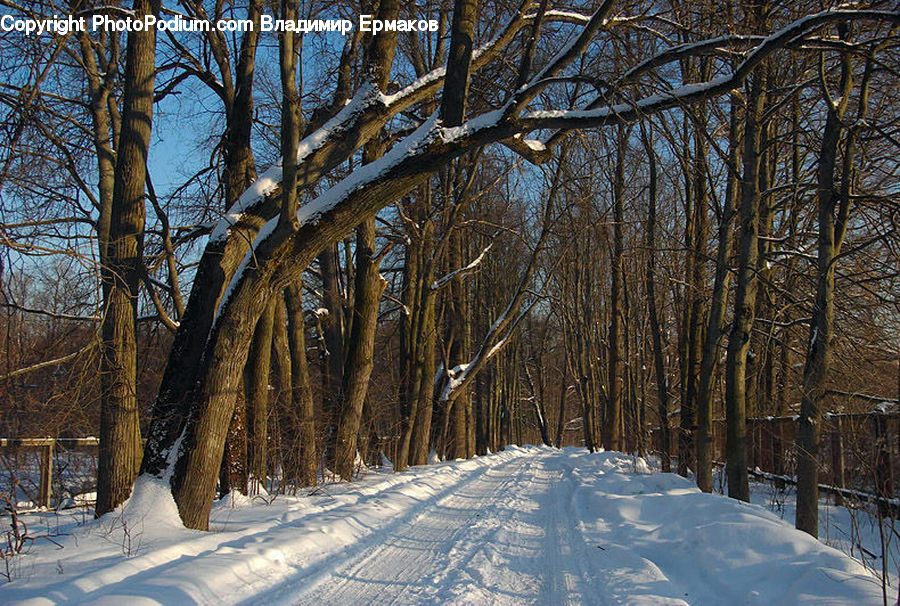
301, 389
120, 434
830, 238
612, 435
659, 365
240, 168
233, 469
715, 325
361, 354
256, 384
369, 284
459, 337
745, 298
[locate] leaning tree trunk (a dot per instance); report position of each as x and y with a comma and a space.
120, 434
369, 283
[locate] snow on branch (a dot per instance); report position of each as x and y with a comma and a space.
462, 271
368, 108
599, 116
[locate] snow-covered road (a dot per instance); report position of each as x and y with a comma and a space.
529, 525
503, 533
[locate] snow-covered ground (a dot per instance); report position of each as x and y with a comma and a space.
528, 525
853, 530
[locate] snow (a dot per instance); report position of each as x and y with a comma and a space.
437, 284
365, 175
151, 502
262, 187
567, 16
428, 78
478, 123
455, 378
315, 208
852, 531
527, 525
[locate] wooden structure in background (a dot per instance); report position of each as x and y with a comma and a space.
47, 448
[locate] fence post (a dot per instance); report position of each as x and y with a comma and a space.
46, 491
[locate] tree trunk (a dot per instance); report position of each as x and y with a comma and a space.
421, 430
612, 436
361, 354
745, 298
233, 469
460, 340
283, 423
830, 238
256, 384
120, 434
301, 389
369, 283
563, 388
696, 294
659, 365
240, 168
332, 300
715, 325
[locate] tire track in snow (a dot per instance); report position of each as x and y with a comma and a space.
513, 535
568, 578
412, 560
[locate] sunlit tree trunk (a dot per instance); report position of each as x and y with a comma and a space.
120, 434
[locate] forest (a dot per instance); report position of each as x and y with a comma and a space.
245, 259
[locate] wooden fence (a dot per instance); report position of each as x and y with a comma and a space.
858, 452
47, 448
